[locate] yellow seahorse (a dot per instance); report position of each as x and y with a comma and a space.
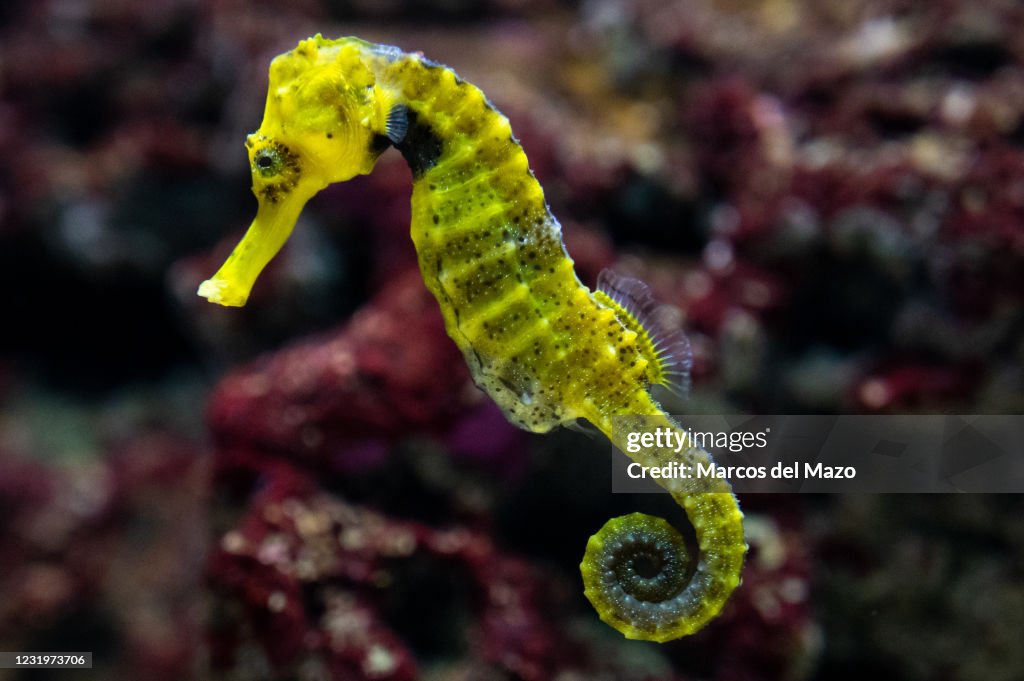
547, 349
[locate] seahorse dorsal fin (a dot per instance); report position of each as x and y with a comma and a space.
397, 124
660, 337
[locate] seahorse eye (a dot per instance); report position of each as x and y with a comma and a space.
267, 162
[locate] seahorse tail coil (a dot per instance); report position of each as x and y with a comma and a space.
640, 576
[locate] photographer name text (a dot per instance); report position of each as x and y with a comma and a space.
780, 471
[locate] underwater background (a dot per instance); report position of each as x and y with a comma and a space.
832, 193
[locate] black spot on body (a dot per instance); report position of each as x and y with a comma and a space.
421, 146
379, 144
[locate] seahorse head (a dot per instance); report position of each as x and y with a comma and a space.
321, 125
321, 112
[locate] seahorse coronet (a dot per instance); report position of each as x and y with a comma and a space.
543, 346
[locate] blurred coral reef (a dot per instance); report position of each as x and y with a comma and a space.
831, 192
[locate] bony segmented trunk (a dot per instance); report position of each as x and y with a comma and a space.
547, 349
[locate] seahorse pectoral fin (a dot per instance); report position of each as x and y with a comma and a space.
397, 124
661, 339
274, 222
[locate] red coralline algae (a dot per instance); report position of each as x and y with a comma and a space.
375, 377
35, 586
742, 142
311, 573
310, 570
109, 544
519, 630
